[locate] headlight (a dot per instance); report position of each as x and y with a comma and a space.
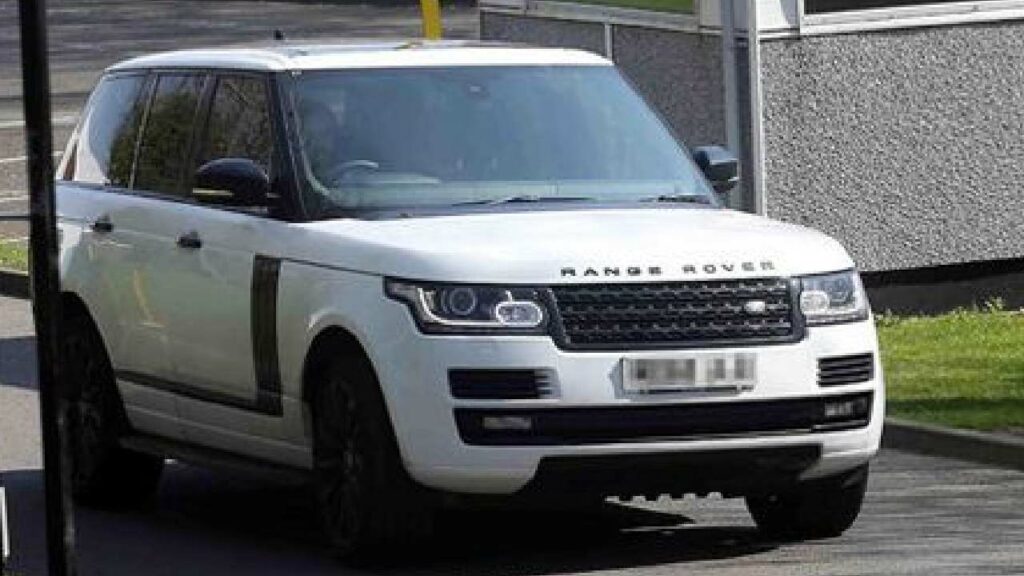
467, 309
833, 298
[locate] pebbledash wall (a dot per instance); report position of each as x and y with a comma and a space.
900, 131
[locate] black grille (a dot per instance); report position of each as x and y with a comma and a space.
681, 314
499, 384
576, 426
841, 370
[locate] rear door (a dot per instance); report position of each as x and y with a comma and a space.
107, 251
146, 224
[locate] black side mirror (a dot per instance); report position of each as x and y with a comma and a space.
719, 165
231, 182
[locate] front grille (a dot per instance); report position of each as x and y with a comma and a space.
604, 425
486, 384
840, 370
671, 315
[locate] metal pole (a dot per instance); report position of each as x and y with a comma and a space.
45, 282
431, 13
758, 178
733, 133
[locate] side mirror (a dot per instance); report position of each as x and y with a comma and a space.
719, 165
231, 182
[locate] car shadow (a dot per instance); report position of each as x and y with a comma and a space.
206, 523
17, 362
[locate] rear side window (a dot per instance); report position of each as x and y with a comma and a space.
239, 125
106, 142
167, 136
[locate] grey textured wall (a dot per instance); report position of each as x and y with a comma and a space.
680, 74
906, 145
542, 32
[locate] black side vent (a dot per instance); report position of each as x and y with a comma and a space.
473, 384
840, 370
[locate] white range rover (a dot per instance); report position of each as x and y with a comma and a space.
431, 272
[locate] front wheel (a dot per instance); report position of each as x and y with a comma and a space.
818, 509
369, 505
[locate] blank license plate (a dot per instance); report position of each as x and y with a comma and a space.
698, 373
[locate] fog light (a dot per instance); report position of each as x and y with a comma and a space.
520, 423
846, 409
519, 314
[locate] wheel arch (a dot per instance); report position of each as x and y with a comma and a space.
333, 341
329, 342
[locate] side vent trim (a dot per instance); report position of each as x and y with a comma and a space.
843, 370
500, 384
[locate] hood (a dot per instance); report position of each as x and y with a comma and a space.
606, 245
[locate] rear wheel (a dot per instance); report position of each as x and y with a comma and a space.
818, 509
102, 472
369, 506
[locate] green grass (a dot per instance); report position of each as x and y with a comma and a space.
684, 6
964, 369
13, 255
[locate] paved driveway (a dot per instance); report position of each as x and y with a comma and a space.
923, 515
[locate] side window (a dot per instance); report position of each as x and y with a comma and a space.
167, 135
239, 125
105, 148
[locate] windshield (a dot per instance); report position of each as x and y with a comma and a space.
430, 137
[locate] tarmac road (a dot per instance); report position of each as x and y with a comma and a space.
924, 516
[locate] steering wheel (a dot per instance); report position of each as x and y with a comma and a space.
340, 171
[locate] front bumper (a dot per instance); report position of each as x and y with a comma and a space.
436, 453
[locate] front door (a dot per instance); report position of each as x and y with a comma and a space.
224, 335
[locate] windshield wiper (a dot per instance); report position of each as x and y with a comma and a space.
679, 199
523, 199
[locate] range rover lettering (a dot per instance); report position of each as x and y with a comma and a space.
418, 273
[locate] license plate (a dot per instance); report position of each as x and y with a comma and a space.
697, 373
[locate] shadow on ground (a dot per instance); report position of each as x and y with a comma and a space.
17, 361
212, 524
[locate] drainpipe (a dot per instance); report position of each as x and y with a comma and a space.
730, 87
757, 179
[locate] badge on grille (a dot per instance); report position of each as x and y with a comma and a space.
755, 307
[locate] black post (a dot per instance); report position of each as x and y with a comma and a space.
45, 282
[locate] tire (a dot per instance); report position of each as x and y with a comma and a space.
102, 472
819, 509
369, 506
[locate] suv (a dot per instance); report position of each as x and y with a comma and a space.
427, 272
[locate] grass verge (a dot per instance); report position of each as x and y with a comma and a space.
963, 369
13, 255
684, 6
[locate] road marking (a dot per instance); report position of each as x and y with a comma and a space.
17, 159
57, 121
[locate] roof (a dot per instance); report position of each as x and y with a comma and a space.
374, 54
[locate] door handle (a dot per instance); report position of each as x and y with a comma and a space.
190, 241
103, 225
